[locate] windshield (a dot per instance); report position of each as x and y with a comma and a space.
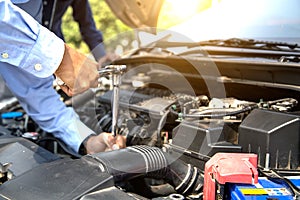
277, 20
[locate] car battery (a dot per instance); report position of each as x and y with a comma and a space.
265, 189
225, 168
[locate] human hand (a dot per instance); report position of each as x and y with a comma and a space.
104, 142
77, 72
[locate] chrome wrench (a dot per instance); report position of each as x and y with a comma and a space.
115, 71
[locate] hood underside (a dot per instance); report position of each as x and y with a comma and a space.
137, 13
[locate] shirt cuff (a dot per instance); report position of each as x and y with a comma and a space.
46, 54
99, 51
82, 148
83, 132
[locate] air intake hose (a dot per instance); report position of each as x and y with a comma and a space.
135, 161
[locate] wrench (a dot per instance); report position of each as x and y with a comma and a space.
116, 71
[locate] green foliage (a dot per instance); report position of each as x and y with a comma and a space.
105, 21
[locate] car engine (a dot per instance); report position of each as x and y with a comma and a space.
185, 118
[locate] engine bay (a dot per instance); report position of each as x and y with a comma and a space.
176, 114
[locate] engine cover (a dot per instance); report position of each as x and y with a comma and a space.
274, 136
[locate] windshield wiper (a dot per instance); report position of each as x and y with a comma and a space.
251, 43
235, 43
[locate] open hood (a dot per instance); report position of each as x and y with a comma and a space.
137, 13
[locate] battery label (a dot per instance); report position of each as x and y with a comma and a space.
265, 191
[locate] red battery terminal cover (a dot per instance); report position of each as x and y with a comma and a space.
229, 168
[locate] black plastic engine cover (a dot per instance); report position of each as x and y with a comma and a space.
61, 179
21, 155
112, 193
198, 140
275, 133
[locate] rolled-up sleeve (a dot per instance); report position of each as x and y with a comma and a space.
26, 44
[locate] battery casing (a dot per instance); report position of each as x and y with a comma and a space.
264, 189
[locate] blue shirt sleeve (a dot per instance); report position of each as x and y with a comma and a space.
29, 55
42, 103
26, 44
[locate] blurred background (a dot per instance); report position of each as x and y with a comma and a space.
119, 37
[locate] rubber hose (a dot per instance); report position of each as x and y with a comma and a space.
135, 161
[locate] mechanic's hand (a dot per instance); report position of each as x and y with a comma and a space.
78, 72
104, 142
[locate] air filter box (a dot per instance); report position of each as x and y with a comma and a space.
274, 136
197, 140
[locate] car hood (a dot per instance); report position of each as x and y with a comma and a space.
260, 55
137, 13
